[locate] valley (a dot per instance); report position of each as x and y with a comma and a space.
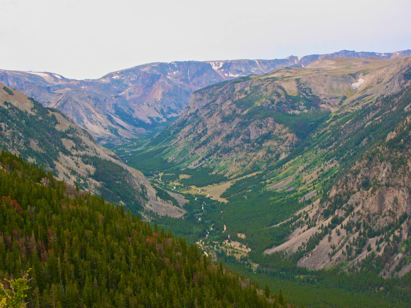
46, 137
309, 199
293, 171
225, 154
80, 251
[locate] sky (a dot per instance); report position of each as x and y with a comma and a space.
90, 38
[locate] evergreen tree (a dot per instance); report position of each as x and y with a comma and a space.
84, 252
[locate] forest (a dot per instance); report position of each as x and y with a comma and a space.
81, 251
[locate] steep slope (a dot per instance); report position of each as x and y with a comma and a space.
47, 137
80, 251
363, 216
252, 122
124, 104
330, 181
127, 103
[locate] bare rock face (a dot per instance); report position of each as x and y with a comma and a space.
363, 218
125, 104
250, 123
45, 136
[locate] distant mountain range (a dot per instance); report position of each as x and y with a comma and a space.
277, 165
245, 124
124, 104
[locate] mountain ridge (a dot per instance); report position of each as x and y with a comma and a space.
228, 125
123, 105
300, 133
45, 136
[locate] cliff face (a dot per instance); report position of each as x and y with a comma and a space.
125, 104
250, 123
45, 136
331, 140
362, 218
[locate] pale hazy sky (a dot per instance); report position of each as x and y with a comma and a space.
89, 38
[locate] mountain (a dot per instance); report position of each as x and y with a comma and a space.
47, 137
125, 104
363, 218
310, 164
80, 251
253, 122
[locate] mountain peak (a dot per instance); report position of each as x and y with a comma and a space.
126, 104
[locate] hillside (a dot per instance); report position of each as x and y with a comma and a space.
125, 104
46, 137
253, 122
84, 252
363, 217
309, 164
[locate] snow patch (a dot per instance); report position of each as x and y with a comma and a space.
115, 77
232, 75
45, 76
216, 65
358, 84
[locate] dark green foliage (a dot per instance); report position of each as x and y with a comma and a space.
331, 288
248, 101
201, 177
35, 136
162, 194
40, 129
8, 90
153, 160
356, 136
366, 184
407, 74
84, 252
148, 161
190, 227
114, 179
304, 123
300, 124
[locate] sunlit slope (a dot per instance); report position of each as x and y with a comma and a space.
45, 136
332, 115
251, 123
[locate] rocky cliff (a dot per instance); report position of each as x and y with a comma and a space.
326, 149
47, 137
253, 122
125, 104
